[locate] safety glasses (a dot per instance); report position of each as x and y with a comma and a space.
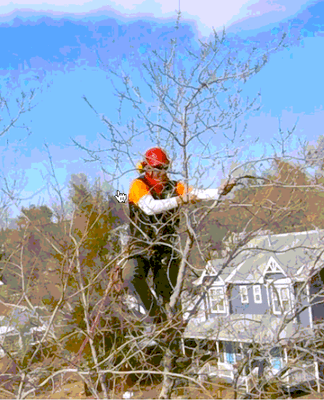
162, 167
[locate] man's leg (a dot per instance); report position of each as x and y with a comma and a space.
166, 264
134, 275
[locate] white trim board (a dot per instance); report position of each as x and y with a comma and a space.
278, 269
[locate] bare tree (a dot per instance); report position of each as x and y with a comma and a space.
13, 108
193, 99
90, 329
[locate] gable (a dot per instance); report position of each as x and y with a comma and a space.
210, 270
214, 268
273, 268
208, 274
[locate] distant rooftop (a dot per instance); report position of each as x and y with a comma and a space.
294, 253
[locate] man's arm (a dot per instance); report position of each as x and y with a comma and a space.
150, 206
208, 194
140, 195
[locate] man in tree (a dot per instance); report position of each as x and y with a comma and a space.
154, 202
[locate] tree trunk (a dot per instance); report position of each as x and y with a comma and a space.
168, 381
173, 332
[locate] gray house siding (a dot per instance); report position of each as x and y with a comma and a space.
261, 323
303, 317
236, 306
316, 286
274, 276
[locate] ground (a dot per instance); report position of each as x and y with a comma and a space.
75, 390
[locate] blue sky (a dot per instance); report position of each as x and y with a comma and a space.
56, 46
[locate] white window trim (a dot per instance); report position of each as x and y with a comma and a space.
269, 301
212, 310
277, 290
275, 294
255, 294
225, 357
242, 289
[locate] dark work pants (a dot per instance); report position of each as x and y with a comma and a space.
165, 267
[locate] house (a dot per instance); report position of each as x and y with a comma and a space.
22, 326
8, 334
258, 304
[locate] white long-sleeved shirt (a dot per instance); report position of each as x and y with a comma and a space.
150, 206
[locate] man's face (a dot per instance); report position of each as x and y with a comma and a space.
158, 173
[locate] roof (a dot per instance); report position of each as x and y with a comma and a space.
246, 328
293, 253
7, 329
23, 321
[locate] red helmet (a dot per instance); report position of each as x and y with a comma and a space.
156, 156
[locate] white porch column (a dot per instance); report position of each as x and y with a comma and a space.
317, 375
286, 361
309, 306
217, 346
183, 346
218, 354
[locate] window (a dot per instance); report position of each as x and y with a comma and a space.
244, 294
276, 358
276, 363
285, 298
227, 352
230, 358
217, 300
280, 299
257, 294
239, 351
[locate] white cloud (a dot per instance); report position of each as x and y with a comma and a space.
207, 13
